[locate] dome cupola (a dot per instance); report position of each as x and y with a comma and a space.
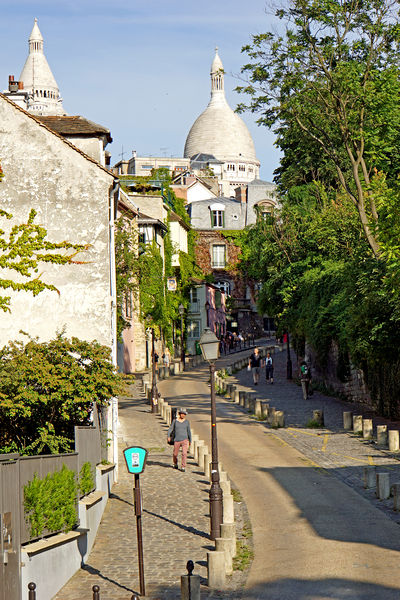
219, 131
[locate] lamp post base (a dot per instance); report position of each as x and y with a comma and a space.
216, 510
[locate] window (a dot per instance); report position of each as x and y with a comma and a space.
217, 218
193, 295
194, 329
230, 167
224, 286
147, 167
218, 255
242, 167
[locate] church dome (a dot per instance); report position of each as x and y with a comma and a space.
38, 79
219, 130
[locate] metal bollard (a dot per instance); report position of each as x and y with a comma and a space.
190, 584
135, 597
96, 592
32, 592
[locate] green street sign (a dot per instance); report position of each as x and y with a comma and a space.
135, 458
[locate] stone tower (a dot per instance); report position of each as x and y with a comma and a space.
38, 80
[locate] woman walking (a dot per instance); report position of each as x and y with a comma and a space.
254, 365
269, 368
179, 431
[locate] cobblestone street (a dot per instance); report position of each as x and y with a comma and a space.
175, 520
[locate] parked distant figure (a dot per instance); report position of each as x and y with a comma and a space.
255, 364
180, 432
305, 378
269, 368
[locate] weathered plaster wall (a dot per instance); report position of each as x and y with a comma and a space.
71, 195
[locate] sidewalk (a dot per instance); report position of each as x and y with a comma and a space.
333, 448
175, 520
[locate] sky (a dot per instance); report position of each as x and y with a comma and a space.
140, 68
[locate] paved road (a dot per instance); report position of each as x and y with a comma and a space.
315, 536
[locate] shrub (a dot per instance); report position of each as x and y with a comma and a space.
47, 388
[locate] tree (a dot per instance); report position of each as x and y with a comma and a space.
47, 388
331, 83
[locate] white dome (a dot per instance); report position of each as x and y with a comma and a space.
219, 130
38, 79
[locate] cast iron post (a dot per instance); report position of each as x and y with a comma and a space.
182, 345
154, 393
288, 361
138, 512
216, 513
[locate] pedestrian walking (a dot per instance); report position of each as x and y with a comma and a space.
269, 368
254, 365
166, 357
179, 432
305, 378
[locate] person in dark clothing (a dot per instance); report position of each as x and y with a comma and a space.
269, 368
180, 429
255, 365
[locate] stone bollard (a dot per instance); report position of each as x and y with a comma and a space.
223, 545
236, 396
197, 444
177, 369
190, 591
264, 409
393, 440
146, 378
271, 415
164, 411
228, 509
228, 531
381, 435
202, 452
368, 429
216, 575
357, 423
369, 477
225, 487
223, 476
347, 420
207, 465
242, 398
382, 485
160, 404
396, 496
278, 419
169, 415
195, 438
229, 390
258, 408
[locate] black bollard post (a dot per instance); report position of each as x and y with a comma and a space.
135, 597
96, 592
190, 568
32, 592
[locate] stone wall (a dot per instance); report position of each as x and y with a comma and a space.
352, 388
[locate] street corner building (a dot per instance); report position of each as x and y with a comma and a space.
74, 197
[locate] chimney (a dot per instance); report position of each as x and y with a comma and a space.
241, 194
12, 85
134, 153
20, 85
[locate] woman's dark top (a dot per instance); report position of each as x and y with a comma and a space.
255, 361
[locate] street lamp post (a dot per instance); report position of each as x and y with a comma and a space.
154, 391
181, 309
209, 345
288, 361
